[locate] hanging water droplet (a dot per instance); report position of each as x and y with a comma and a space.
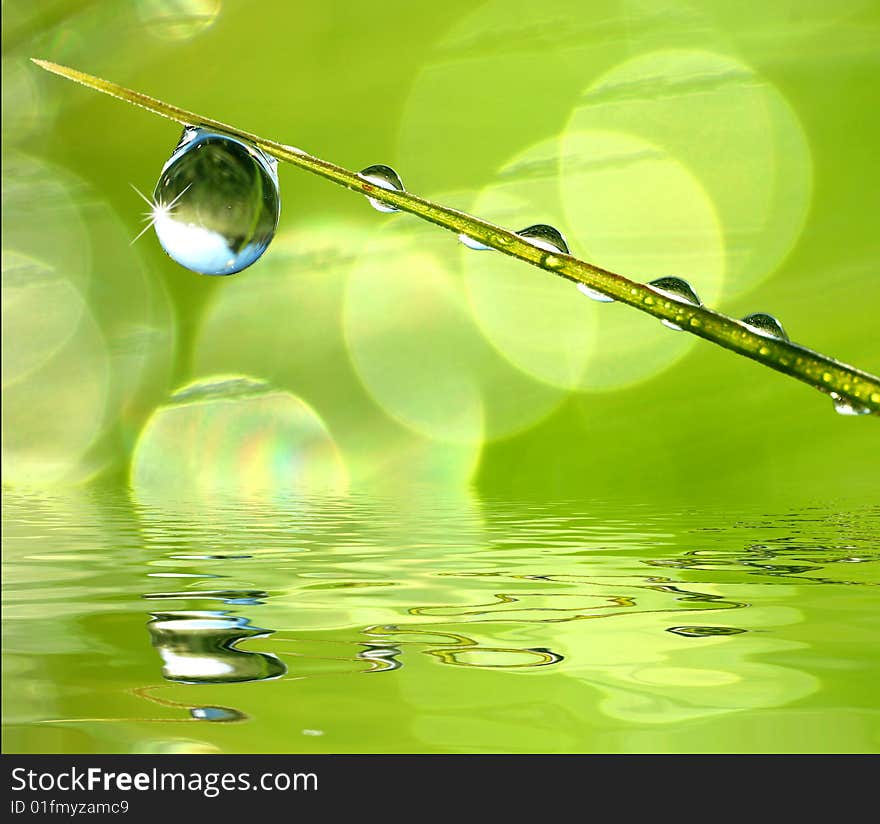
592, 294
385, 178
677, 289
844, 406
765, 324
216, 205
544, 237
474, 244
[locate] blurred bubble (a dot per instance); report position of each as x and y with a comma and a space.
178, 19
636, 210
733, 130
128, 339
52, 416
41, 310
233, 434
22, 105
282, 321
135, 313
418, 351
41, 201
536, 320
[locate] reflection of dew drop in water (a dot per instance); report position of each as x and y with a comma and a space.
216, 205
765, 324
385, 178
216, 714
199, 647
705, 632
545, 237
844, 406
679, 290
381, 657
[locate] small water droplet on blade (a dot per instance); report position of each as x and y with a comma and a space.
385, 178
844, 406
217, 202
473, 244
592, 294
677, 289
765, 324
544, 237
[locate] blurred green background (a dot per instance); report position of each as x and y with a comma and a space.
439, 447
733, 146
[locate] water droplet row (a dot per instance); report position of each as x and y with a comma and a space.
216, 206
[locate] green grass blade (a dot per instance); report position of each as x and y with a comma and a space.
813, 368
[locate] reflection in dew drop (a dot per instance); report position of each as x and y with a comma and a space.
592, 294
705, 632
765, 324
474, 244
844, 406
385, 178
199, 647
216, 205
545, 237
677, 289
216, 714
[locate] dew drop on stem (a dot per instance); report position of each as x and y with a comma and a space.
215, 207
385, 178
678, 290
845, 406
765, 324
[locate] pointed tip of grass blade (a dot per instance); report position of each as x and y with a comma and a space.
48, 65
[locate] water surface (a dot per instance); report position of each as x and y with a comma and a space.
356, 624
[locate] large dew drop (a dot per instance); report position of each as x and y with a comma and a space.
216, 205
677, 289
385, 178
765, 324
844, 406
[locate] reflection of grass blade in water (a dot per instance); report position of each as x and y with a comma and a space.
852, 390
